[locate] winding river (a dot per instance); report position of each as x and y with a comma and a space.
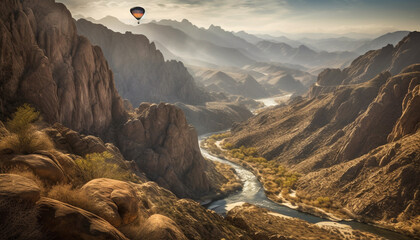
253, 192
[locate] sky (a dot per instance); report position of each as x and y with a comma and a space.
275, 17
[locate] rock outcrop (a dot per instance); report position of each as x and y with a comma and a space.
44, 62
161, 227
63, 221
141, 73
117, 200
371, 129
15, 187
159, 139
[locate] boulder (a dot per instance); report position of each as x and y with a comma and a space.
63, 221
17, 187
117, 200
43, 166
160, 227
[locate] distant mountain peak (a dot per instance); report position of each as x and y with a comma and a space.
186, 21
215, 28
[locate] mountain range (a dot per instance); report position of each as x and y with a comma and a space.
354, 138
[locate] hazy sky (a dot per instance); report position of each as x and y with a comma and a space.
268, 16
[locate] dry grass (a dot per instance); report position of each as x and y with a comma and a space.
75, 197
26, 142
26, 172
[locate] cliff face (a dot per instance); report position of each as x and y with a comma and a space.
156, 138
367, 66
141, 73
45, 63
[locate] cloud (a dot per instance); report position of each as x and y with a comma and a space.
266, 16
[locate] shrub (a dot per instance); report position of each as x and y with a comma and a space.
99, 165
23, 137
228, 145
323, 202
220, 136
75, 197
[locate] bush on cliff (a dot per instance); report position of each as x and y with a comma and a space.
23, 137
100, 165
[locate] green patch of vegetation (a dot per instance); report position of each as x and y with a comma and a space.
23, 137
275, 177
100, 165
218, 137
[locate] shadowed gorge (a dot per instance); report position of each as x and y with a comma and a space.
223, 125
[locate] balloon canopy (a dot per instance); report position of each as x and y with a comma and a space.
137, 12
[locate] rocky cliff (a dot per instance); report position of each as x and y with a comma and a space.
141, 73
45, 63
357, 143
165, 147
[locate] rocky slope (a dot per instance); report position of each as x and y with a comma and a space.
140, 71
262, 224
355, 143
381, 41
367, 66
44, 62
102, 208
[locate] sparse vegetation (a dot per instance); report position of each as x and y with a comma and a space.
220, 136
23, 137
100, 165
75, 197
274, 176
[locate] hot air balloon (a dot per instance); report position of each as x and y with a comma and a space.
138, 13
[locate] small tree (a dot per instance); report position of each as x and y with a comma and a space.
23, 137
99, 165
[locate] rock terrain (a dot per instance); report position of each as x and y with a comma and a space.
262, 224
141, 73
45, 63
367, 66
355, 137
